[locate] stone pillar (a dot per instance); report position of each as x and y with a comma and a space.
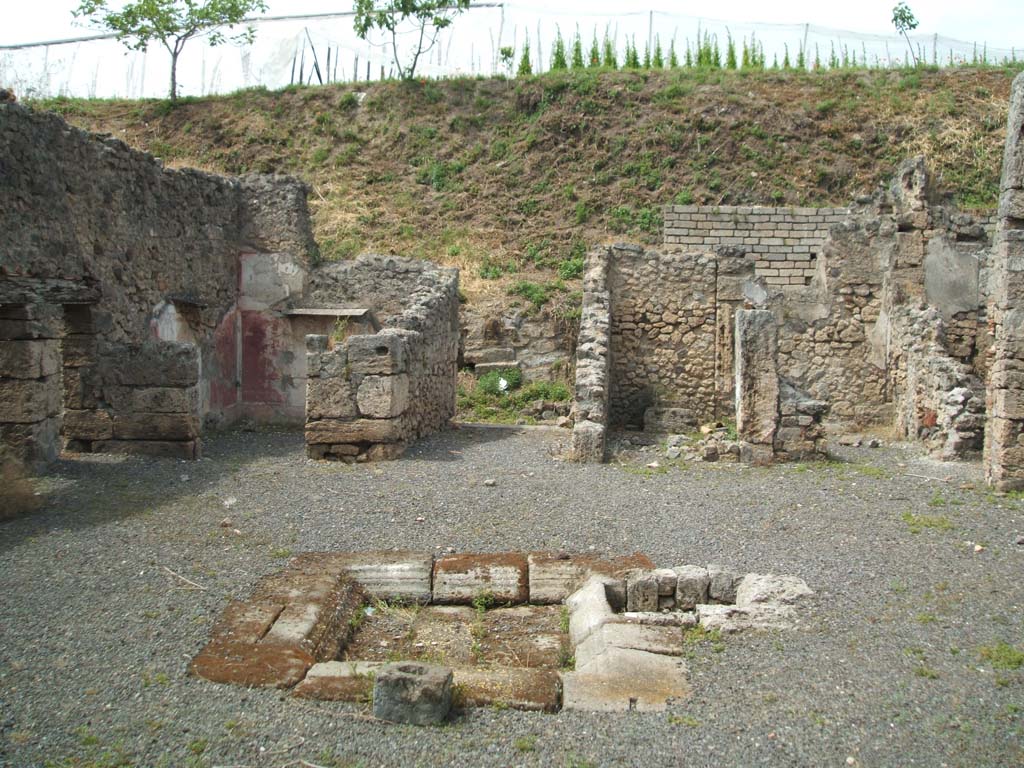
358, 395
1004, 432
593, 356
757, 384
30, 388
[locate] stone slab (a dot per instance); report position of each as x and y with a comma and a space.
530, 690
588, 610
357, 431
461, 578
553, 576
386, 575
758, 588
681, 619
622, 679
350, 681
667, 641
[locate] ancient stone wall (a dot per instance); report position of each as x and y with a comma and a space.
663, 334
129, 261
1004, 436
846, 288
370, 394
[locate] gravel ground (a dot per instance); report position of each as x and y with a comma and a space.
886, 669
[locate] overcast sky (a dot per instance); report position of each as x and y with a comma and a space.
1000, 23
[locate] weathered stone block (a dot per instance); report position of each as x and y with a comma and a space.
722, 585
156, 400
382, 353
408, 692
36, 444
330, 398
29, 359
358, 431
529, 690
461, 578
588, 610
554, 577
384, 451
76, 351
692, 584
88, 425
383, 397
642, 591
588, 442
154, 364
395, 575
666, 578
24, 401
155, 426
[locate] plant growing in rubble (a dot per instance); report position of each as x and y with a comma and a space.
173, 23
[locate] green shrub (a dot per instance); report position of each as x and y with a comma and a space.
538, 295
570, 268
489, 383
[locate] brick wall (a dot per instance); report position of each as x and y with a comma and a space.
785, 242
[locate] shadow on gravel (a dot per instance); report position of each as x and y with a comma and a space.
80, 491
446, 446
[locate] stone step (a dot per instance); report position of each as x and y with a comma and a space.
488, 355
482, 368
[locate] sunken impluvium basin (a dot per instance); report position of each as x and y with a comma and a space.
536, 631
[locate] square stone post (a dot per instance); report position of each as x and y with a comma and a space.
757, 384
1004, 429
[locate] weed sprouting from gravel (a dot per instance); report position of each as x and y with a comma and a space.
1002, 655
918, 523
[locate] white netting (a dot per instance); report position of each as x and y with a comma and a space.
284, 49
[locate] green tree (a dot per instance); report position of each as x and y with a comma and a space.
577, 52
904, 20
425, 18
658, 59
172, 22
525, 67
558, 59
595, 52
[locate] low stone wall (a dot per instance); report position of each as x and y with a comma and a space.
593, 362
368, 395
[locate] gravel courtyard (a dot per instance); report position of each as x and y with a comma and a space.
909, 653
